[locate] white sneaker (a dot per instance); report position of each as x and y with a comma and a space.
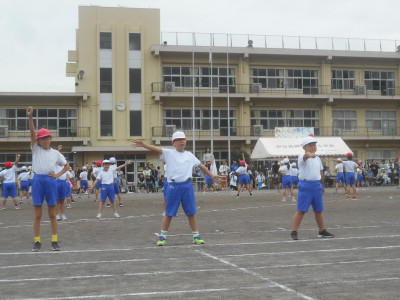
283, 199
20, 201
16, 207
215, 192
293, 199
68, 205
204, 192
63, 217
98, 216
58, 218
163, 214
116, 215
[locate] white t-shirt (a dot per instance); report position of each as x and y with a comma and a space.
359, 171
284, 170
113, 169
293, 172
31, 174
63, 176
223, 170
241, 170
260, 178
339, 168
309, 169
350, 166
96, 171
233, 179
165, 171
179, 164
45, 161
24, 176
8, 174
106, 177
68, 175
83, 175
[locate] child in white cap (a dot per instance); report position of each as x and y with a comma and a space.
286, 179
180, 164
339, 175
84, 181
23, 178
311, 188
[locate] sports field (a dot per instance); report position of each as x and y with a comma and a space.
248, 252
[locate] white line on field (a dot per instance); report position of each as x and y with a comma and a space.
273, 283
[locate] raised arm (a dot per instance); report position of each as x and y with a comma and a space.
17, 160
121, 166
29, 112
243, 157
140, 143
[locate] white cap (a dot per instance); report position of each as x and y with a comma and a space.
83, 168
308, 140
113, 160
293, 165
285, 161
24, 168
106, 161
178, 135
339, 159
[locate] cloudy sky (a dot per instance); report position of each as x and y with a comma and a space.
35, 35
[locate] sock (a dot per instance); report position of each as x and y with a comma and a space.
163, 234
37, 239
195, 234
54, 238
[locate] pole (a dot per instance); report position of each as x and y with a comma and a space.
228, 100
193, 102
212, 104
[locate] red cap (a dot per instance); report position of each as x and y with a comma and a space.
349, 154
98, 163
8, 164
359, 164
310, 134
42, 133
242, 162
208, 163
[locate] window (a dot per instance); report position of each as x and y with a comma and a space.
272, 118
106, 123
135, 121
183, 77
105, 40
134, 41
135, 81
345, 119
380, 81
384, 121
343, 79
105, 80
380, 155
296, 79
182, 119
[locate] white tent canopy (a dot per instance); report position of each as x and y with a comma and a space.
291, 147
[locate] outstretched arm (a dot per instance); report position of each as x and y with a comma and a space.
140, 143
121, 166
29, 112
17, 160
206, 171
243, 157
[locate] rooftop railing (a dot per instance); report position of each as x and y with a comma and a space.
278, 41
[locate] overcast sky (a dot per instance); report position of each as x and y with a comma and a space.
35, 35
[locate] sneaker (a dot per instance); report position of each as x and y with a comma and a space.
16, 207
215, 192
116, 215
98, 216
197, 240
163, 214
3, 207
348, 197
36, 247
68, 205
120, 205
204, 192
63, 217
294, 236
237, 196
95, 200
161, 241
72, 201
20, 201
29, 201
325, 234
336, 193
251, 195
108, 205
293, 199
58, 218
283, 199
354, 197
55, 246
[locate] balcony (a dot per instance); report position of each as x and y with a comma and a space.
256, 90
66, 134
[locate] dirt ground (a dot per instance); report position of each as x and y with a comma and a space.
248, 252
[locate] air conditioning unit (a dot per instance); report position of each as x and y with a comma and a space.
3, 131
169, 87
170, 129
258, 130
361, 89
337, 132
255, 88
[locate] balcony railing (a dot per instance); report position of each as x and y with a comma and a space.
60, 132
257, 89
254, 131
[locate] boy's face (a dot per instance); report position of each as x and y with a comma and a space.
311, 147
45, 142
106, 167
179, 144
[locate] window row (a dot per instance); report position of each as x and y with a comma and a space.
106, 41
106, 123
285, 118
135, 80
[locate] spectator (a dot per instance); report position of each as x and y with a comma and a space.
328, 179
275, 169
375, 168
154, 174
207, 156
123, 184
234, 166
371, 176
233, 181
223, 172
141, 184
260, 180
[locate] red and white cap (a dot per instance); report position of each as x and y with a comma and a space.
42, 133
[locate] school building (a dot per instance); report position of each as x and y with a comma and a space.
134, 81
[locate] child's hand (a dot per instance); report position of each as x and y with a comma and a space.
53, 175
137, 143
216, 178
128, 162
29, 111
18, 155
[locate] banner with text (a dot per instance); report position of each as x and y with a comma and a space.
293, 132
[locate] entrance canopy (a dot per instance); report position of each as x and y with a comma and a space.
291, 147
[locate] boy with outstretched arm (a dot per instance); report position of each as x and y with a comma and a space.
311, 188
180, 189
44, 184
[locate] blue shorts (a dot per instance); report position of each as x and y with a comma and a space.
310, 193
360, 178
30, 182
177, 193
107, 190
116, 186
98, 185
287, 182
295, 180
84, 185
61, 189
350, 178
44, 186
209, 180
9, 189
165, 188
24, 186
340, 177
67, 189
